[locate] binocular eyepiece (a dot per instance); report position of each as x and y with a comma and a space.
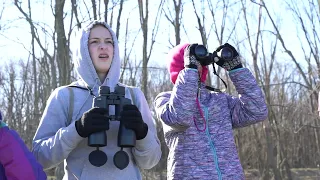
206, 58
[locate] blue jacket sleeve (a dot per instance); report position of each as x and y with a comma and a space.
16, 159
250, 107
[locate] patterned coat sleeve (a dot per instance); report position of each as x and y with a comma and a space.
250, 107
177, 108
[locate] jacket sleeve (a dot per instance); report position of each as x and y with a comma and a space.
54, 140
176, 110
250, 106
147, 152
16, 159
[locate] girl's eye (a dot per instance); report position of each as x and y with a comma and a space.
92, 42
109, 42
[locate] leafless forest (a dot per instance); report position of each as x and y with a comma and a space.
289, 75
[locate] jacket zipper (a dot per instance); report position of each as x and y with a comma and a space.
213, 149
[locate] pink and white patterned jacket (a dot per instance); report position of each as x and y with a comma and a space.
204, 148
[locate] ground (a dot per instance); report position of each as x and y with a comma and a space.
297, 174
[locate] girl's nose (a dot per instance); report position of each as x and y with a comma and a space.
103, 46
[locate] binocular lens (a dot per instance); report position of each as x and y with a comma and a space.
200, 51
226, 53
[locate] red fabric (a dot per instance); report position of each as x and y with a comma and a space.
176, 63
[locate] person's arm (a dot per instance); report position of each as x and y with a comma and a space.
54, 141
16, 159
250, 106
177, 110
147, 152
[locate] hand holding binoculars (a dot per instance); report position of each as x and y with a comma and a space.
225, 52
126, 137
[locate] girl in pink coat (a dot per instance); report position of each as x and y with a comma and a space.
198, 123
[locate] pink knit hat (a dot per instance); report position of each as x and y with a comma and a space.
176, 63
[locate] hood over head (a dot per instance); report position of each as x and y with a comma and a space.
84, 65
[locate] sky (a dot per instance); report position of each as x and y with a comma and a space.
15, 41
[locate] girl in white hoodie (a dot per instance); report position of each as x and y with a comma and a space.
97, 63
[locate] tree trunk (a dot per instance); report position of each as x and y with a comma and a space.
63, 59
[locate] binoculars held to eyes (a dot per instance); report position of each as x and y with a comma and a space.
206, 58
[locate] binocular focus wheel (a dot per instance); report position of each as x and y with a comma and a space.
121, 159
97, 158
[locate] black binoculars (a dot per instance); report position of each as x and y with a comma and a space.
126, 137
206, 58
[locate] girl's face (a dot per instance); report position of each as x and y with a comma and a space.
101, 49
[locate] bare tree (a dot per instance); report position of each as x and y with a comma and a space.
63, 58
127, 54
309, 24
219, 28
42, 47
254, 53
312, 39
74, 8
1, 14
94, 9
174, 20
106, 2
144, 20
